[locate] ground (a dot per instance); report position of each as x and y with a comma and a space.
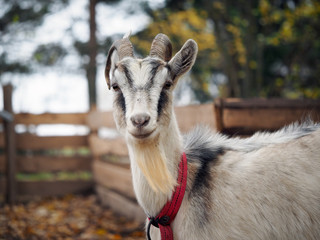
70, 217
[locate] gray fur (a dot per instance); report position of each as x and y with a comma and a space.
201, 134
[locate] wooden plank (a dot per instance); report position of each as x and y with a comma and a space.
2, 163
2, 140
53, 164
33, 164
100, 146
51, 118
218, 114
190, 116
97, 119
245, 116
3, 185
30, 189
268, 103
264, 119
120, 204
52, 188
113, 177
33, 142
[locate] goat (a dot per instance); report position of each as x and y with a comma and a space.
263, 187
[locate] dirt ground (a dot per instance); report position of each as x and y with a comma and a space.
70, 217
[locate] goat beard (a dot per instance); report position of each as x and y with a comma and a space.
152, 162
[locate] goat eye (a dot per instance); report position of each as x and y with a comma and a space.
167, 85
115, 87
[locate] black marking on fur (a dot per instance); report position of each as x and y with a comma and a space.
168, 67
155, 64
162, 102
128, 74
206, 157
200, 150
121, 102
155, 67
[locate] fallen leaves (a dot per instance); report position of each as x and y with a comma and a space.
70, 217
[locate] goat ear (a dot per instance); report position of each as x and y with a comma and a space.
182, 62
112, 60
120, 49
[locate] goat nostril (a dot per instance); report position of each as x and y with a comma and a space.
140, 120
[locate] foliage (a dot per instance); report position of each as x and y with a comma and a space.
18, 22
273, 48
264, 48
296, 43
180, 26
49, 54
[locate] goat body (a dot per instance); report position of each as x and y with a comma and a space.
263, 187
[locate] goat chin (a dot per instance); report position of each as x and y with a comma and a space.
152, 162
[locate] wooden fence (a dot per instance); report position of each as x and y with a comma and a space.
106, 155
246, 116
45, 165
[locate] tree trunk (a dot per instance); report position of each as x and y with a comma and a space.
230, 66
91, 70
10, 146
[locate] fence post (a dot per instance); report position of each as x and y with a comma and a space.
218, 112
10, 146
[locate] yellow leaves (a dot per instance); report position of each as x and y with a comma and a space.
313, 93
180, 26
16, 18
205, 86
70, 217
288, 19
276, 16
253, 64
233, 29
311, 9
218, 6
279, 82
264, 7
101, 232
237, 47
286, 31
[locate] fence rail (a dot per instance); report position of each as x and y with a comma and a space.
43, 156
246, 116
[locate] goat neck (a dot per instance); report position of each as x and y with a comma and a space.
161, 155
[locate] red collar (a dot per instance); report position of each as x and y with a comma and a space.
170, 210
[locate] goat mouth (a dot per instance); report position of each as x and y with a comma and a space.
142, 135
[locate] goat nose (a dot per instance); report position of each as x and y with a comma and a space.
140, 120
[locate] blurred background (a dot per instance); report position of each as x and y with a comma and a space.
54, 52
57, 133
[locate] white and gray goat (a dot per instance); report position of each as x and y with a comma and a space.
263, 187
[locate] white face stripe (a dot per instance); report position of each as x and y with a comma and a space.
140, 73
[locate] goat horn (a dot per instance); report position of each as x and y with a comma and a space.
161, 47
124, 48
